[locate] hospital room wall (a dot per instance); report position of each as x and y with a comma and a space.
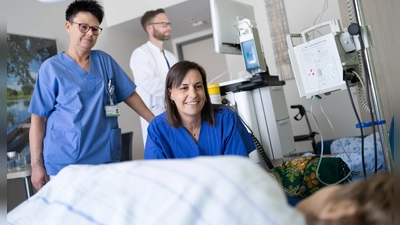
337, 106
301, 15
47, 20
33, 18
382, 17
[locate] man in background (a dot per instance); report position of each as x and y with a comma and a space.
150, 63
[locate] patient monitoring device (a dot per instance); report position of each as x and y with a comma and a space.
319, 64
251, 47
259, 98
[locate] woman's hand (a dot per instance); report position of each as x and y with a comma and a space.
39, 177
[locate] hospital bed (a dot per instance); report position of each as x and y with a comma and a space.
353, 156
347, 148
353, 146
203, 190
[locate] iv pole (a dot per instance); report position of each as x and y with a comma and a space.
378, 108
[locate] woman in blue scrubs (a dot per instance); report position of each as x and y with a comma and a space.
192, 126
74, 105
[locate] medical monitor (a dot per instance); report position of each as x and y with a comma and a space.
225, 15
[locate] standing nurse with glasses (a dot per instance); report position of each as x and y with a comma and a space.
150, 63
74, 105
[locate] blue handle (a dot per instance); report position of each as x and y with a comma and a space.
369, 124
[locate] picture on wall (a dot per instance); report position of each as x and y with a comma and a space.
24, 56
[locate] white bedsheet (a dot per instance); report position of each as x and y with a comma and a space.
205, 190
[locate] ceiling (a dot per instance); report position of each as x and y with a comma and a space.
182, 17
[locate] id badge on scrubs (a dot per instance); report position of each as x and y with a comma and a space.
111, 109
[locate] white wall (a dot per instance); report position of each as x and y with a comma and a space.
196, 52
337, 106
120, 11
33, 18
301, 15
47, 20
381, 16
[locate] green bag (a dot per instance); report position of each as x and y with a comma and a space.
298, 177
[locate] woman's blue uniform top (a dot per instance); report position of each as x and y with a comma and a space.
73, 101
227, 137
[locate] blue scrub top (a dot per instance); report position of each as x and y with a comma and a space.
72, 100
227, 137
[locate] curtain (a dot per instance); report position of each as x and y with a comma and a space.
279, 28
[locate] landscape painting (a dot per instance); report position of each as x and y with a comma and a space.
24, 56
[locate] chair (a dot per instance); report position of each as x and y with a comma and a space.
126, 153
311, 134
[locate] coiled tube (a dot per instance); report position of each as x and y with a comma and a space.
257, 143
261, 151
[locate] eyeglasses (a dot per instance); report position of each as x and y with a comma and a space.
84, 28
163, 24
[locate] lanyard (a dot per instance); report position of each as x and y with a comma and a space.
110, 91
166, 60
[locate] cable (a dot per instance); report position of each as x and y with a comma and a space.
361, 129
334, 132
257, 143
260, 150
359, 78
220, 76
324, 8
367, 82
361, 58
322, 148
361, 92
350, 10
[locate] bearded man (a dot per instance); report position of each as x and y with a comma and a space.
150, 63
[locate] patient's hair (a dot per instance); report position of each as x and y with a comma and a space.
373, 199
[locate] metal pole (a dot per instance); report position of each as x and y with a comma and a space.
378, 108
28, 187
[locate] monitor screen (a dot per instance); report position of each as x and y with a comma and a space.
225, 15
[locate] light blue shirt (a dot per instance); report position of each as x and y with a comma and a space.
227, 137
72, 100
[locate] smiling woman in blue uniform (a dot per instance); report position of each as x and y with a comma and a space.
74, 103
192, 126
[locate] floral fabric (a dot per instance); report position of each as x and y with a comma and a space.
299, 178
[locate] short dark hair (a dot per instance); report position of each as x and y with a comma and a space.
174, 78
90, 6
149, 16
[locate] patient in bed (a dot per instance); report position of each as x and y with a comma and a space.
361, 202
203, 190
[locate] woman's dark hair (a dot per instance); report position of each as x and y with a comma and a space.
148, 17
174, 78
90, 6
